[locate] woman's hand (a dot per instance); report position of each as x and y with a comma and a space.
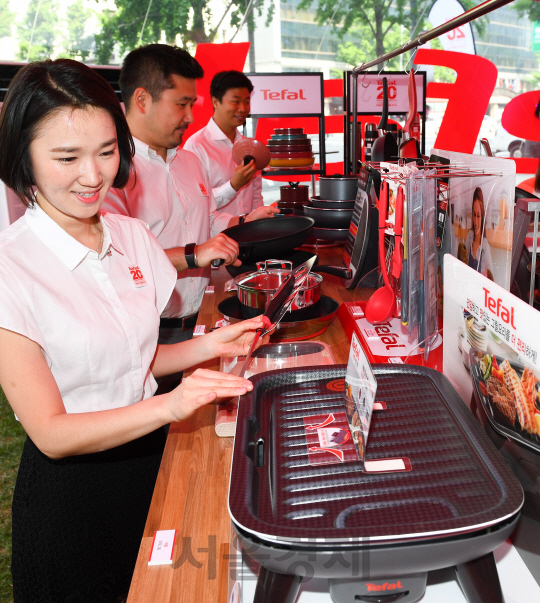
203, 387
235, 339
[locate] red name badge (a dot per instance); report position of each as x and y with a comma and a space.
203, 190
137, 276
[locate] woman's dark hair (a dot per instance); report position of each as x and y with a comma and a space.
35, 93
225, 80
151, 66
478, 196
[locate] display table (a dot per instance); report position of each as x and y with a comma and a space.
192, 486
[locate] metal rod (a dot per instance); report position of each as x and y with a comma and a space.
470, 15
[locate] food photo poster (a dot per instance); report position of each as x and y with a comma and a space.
492, 351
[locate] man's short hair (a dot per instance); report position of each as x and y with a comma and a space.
225, 80
151, 66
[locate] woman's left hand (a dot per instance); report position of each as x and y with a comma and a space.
235, 339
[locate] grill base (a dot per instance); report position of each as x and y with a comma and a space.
282, 566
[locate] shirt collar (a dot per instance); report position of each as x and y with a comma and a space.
144, 151
67, 249
216, 133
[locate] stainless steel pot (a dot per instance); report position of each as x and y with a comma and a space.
338, 187
256, 289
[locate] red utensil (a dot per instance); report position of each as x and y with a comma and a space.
398, 232
382, 304
410, 147
412, 125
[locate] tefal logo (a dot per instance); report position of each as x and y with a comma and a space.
496, 306
390, 340
284, 95
371, 586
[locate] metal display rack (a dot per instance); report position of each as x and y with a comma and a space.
422, 38
348, 95
319, 115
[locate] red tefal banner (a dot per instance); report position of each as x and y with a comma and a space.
468, 97
286, 95
213, 59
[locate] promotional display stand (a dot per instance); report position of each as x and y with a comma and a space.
290, 95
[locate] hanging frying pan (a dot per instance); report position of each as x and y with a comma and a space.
410, 147
385, 148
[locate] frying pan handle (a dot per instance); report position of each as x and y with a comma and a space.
217, 263
340, 271
383, 124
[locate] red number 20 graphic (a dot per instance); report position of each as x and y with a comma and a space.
392, 92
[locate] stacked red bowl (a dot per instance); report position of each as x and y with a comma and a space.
290, 148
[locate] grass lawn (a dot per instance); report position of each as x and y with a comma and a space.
12, 438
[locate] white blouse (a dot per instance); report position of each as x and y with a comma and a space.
95, 317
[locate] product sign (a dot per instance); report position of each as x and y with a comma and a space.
370, 92
283, 95
360, 390
491, 351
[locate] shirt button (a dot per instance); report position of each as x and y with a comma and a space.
191, 280
185, 221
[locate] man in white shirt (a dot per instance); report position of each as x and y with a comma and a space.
169, 190
237, 189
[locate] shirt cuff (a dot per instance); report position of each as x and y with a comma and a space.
224, 194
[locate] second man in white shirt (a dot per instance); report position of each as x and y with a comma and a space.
237, 189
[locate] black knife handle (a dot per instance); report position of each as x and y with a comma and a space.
383, 124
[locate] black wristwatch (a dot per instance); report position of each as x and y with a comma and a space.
190, 255
242, 218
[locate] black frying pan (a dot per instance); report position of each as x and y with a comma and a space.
385, 148
269, 238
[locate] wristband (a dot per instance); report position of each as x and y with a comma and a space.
242, 218
190, 255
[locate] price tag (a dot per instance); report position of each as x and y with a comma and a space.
209, 289
199, 330
360, 390
162, 547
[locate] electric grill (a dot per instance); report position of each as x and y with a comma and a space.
373, 535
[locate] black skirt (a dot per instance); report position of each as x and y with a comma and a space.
78, 521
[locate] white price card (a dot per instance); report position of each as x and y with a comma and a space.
209, 289
360, 390
162, 547
199, 330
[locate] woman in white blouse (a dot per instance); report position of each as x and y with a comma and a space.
81, 295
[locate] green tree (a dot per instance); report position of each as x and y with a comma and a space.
187, 19
376, 22
6, 19
38, 30
77, 44
529, 8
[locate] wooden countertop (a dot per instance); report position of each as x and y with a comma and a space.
192, 486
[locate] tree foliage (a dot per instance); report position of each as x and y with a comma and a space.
6, 18
38, 31
529, 8
187, 20
377, 23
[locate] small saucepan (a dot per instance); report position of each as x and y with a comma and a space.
256, 289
